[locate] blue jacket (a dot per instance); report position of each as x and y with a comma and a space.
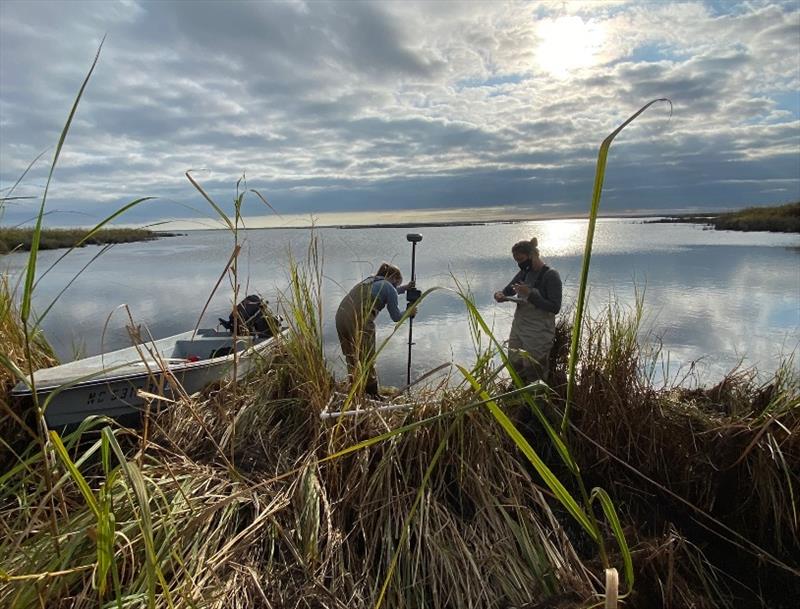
385, 295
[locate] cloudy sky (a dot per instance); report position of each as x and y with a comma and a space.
423, 110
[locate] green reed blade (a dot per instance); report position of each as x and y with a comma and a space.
216, 207
264, 201
145, 521
101, 510
106, 532
27, 292
93, 231
8, 197
106, 557
597, 191
549, 478
561, 447
76, 475
12, 367
613, 520
74, 278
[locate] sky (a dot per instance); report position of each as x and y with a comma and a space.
396, 111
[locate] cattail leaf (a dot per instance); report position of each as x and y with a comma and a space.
75, 474
559, 444
597, 191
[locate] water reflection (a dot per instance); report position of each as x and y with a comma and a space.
713, 296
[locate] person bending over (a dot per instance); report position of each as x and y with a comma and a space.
355, 319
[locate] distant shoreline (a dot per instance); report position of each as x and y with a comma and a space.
429, 224
776, 219
20, 239
781, 219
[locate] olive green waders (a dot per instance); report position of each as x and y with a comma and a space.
355, 325
530, 342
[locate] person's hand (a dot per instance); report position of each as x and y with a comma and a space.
499, 297
522, 289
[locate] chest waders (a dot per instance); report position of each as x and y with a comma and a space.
532, 333
355, 325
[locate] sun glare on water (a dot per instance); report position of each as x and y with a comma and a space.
567, 44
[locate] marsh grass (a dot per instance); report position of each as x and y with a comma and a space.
779, 218
727, 448
718, 466
296, 524
295, 527
776, 218
16, 426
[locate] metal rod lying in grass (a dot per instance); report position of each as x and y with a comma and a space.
538, 385
357, 411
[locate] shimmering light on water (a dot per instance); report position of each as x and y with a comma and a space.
712, 297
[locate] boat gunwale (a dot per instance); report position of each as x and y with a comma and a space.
21, 390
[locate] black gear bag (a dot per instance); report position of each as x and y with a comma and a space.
254, 317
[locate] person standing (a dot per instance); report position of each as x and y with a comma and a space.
538, 288
355, 319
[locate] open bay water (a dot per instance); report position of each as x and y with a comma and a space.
713, 299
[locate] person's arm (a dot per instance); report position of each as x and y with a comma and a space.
388, 294
509, 289
549, 298
405, 287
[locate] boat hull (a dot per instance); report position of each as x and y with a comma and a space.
127, 391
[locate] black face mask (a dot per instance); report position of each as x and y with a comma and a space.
524, 266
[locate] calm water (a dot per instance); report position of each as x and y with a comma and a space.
713, 297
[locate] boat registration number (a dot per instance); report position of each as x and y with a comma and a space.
127, 393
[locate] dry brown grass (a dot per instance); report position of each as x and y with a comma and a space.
718, 467
16, 427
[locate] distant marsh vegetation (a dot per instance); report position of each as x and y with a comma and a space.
20, 239
774, 219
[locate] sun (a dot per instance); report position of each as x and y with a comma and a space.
567, 44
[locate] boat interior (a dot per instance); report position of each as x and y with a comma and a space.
208, 344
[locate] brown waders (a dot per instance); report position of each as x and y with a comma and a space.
355, 325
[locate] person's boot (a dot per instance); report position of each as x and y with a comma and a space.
373, 393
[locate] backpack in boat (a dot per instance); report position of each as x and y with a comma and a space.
254, 317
